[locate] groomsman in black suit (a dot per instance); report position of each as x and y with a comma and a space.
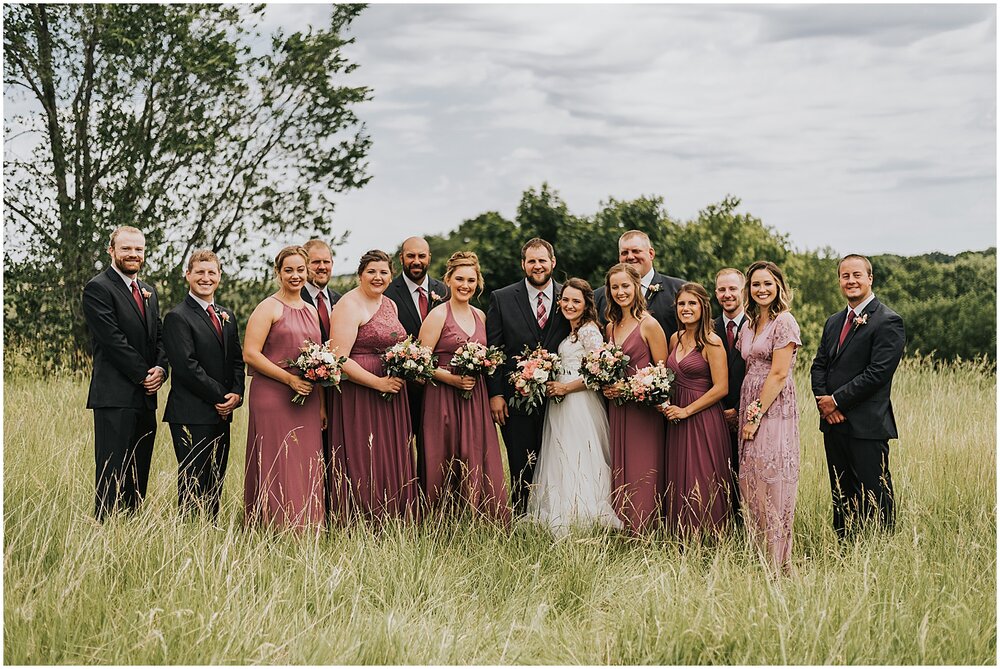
729, 285
660, 290
523, 314
123, 317
316, 292
852, 381
202, 342
415, 294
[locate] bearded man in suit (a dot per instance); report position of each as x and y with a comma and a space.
415, 294
729, 285
202, 342
129, 367
316, 291
522, 314
660, 290
852, 381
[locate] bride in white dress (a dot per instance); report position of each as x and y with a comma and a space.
572, 482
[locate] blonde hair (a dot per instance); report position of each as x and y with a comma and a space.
464, 259
287, 252
203, 255
125, 228
782, 301
612, 311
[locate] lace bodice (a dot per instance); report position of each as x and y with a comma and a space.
380, 332
571, 352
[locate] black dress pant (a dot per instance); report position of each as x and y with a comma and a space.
734, 483
415, 396
522, 437
202, 455
860, 482
123, 448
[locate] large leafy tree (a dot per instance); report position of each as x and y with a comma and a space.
180, 119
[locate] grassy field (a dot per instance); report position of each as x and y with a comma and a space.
154, 590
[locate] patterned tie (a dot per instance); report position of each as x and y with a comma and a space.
422, 301
731, 333
540, 312
324, 313
138, 299
847, 328
215, 319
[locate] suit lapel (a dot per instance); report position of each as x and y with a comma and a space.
147, 307
404, 297
120, 285
527, 310
870, 309
202, 316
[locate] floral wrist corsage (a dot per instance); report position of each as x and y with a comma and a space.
755, 412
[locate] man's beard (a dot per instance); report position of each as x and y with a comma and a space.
319, 281
415, 278
538, 283
120, 264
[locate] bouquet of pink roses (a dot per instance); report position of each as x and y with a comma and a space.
475, 359
650, 386
408, 360
319, 364
605, 366
534, 369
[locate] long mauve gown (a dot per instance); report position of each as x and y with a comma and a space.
283, 485
698, 474
460, 439
637, 445
769, 464
373, 473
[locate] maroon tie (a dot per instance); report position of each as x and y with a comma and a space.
215, 319
138, 299
731, 333
540, 312
847, 328
324, 313
422, 300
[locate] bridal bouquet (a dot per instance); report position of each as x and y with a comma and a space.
475, 359
534, 369
650, 386
319, 364
605, 366
410, 361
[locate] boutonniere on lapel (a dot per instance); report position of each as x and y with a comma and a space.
435, 297
654, 288
860, 320
146, 294
223, 316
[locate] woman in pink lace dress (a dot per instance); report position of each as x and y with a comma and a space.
459, 436
372, 464
769, 439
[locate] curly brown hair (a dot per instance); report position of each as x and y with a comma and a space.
782, 301
589, 314
464, 259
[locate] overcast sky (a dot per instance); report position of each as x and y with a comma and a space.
864, 128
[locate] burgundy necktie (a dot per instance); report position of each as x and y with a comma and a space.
138, 298
215, 319
422, 301
731, 333
324, 313
847, 328
540, 312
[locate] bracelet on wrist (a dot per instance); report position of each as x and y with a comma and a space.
755, 411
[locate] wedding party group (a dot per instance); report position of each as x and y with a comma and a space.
628, 406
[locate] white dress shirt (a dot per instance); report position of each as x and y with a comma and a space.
547, 300
415, 293
858, 309
202, 303
314, 291
128, 284
647, 280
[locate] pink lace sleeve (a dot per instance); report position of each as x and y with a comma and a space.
786, 330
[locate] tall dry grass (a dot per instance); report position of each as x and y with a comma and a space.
152, 589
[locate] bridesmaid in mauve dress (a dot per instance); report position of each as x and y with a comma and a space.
698, 474
283, 485
637, 432
459, 436
769, 450
372, 469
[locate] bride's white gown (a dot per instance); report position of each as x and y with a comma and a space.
572, 482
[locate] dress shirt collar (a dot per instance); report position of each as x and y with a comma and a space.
128, 281
861, 307
314, 291
412, 287
726, 320
202, 303
533, 293
648, 279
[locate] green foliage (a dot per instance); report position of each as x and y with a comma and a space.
156, 590
164, 117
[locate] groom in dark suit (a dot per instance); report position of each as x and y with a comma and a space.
852, 381
202, 342
123, 317
729, 285
660, 290
415, 294
523, 314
